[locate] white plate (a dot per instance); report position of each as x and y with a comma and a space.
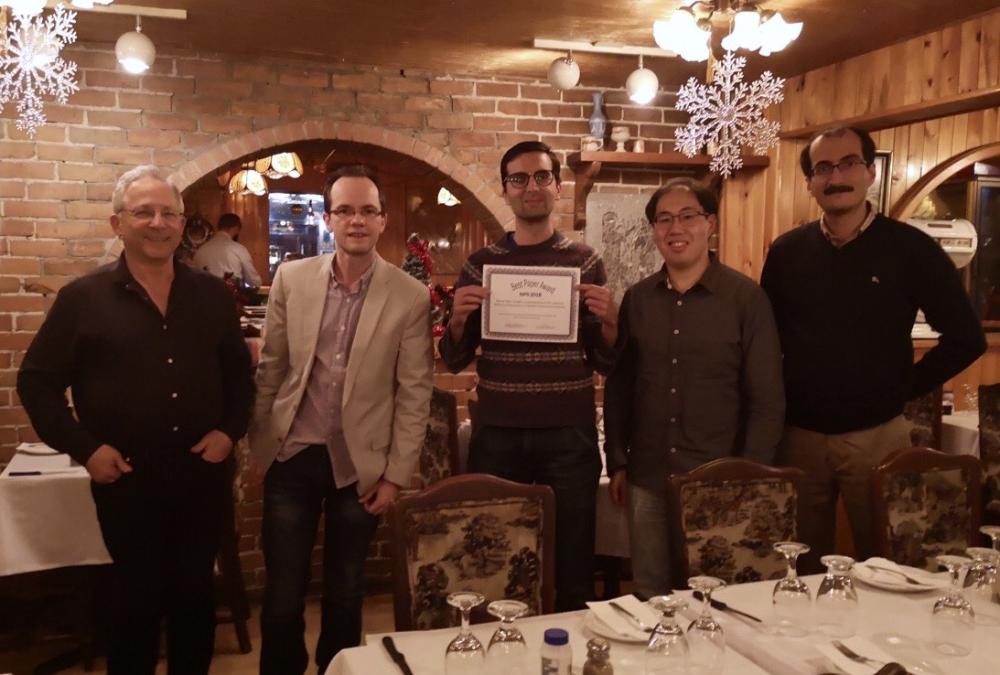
887, 581
598, 627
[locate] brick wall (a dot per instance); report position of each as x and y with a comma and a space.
193, 113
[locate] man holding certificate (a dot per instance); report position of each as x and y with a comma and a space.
534, 302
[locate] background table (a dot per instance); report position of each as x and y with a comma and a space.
960, 433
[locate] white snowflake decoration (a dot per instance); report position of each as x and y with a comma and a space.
30, 66
728, 114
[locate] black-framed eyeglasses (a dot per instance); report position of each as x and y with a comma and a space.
520, 179
147, 215
666, 219
824, 169
348, 212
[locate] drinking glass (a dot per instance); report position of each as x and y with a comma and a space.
667, 650
708, 642
980, 582
791, 597
465, 654
507, 651
953, 620
993, 532
837, 601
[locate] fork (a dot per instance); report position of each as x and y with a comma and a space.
854, 656
909, 579
636, 620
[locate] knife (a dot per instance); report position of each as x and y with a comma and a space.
636, 620
396, 656
720, 605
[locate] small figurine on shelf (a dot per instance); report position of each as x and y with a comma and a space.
619, 134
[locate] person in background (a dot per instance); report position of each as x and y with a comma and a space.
223, 254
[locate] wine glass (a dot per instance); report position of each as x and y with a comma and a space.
507, 650
791, 598
667, 650
953, 620
465, 654
980, 581
837, 601
993, 532
708, 642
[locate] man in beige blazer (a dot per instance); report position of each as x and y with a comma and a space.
343, 395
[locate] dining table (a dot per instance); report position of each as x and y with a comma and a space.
891, 625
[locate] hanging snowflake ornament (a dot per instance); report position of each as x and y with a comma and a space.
728, 114
30, 65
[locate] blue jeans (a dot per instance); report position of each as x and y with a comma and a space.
296, 492
567, 460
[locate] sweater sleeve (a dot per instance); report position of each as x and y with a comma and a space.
457, 354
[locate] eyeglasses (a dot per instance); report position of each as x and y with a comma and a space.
824, 169
146, 215
683, 218
520, 179
347, 212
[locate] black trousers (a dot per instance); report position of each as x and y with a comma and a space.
161, 524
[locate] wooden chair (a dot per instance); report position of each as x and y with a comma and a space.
924, 414
989, 450
471, 532
439, 455
728, 514
925, 503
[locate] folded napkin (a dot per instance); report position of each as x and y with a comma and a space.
858, 645
926, 578
620, 623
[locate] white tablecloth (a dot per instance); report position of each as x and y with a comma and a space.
48, 521
960, 433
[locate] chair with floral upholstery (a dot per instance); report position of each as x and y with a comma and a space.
924, 416
989, 450
728, 514
471, 532
925, 503
439, 455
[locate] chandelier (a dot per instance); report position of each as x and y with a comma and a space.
248, 181
689, 29
279, 165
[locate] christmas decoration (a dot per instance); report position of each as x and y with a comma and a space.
30, 66
728, 114
418, 258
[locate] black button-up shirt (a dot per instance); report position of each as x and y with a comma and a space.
698, 377
144, 383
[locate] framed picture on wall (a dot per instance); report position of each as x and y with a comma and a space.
878, 193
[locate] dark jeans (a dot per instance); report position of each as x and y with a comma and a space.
161, 524
296, 492
567, 460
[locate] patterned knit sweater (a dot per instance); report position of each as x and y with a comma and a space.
533, 384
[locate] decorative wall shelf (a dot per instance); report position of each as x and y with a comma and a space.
586, 166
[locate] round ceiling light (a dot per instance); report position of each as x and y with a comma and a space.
642, 85
134, 51
564, 73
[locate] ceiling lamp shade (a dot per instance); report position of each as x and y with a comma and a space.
776, 33
683, 35
564, 72
89, 4
642, 85
134, 51
279, 165
248, 181
745, 33
24, 7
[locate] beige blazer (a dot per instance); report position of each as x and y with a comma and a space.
389, 378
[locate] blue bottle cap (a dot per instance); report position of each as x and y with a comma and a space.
556, 636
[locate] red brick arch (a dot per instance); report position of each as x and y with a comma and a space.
256, 141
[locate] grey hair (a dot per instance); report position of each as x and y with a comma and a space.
139, 172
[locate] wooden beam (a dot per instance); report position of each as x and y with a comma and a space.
908, 114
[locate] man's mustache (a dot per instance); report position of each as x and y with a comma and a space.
834, 189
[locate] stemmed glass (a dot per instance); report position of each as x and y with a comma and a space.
981, 580
837, 601
953, 620
465, 654
667, 650
507, 650
708, 642
993, 532
791, 598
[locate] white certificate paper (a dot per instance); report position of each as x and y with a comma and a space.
531, 304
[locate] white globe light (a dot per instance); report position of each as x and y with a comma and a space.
642, 86
135, 52
24, 7
746, 32
564, 73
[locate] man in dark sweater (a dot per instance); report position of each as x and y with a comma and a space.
535, 421
845, 291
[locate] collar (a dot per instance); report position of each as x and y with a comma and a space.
841, 241
121, 275
365, 278
709, 279
508, 242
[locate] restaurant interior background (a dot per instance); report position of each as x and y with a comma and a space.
432, 93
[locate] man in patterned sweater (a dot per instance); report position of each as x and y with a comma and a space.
535, 419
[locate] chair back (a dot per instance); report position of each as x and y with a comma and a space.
989, 450
727, 516
924, 416
925, 503
439, 454
471, 532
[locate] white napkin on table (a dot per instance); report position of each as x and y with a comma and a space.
928, 579
620, 623
858, 645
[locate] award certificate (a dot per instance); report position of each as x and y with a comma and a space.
531, 304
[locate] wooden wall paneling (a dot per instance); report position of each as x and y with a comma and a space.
877, 74
817, 95
914, 153
974, 132
946, 130
898, 81
989, 51
931, 67
951, 50
959, 139
792, 110
971, 36
929, 157
990, 125
844, 96
912, 71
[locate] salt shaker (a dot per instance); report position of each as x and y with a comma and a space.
557, 657
598, 658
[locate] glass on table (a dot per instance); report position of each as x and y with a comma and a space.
465, 654
791, 597
836, 600
507, 652
953, 621
993, 532
667, 650
705, 635
980, 583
